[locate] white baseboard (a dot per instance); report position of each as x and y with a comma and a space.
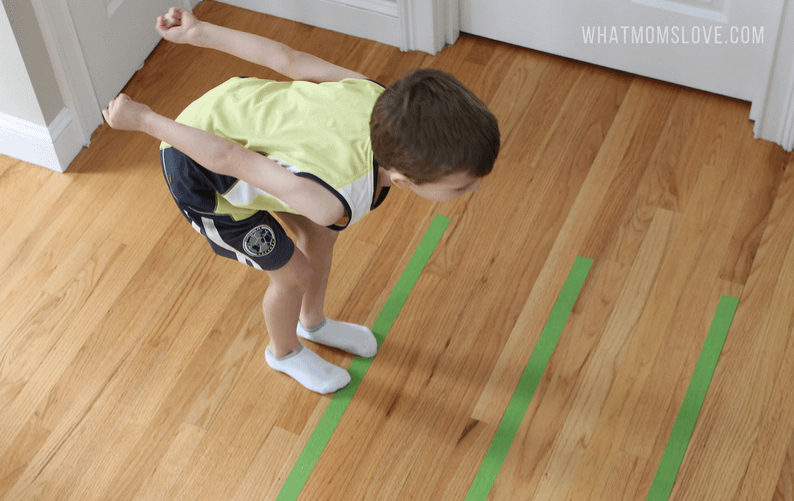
53, 147
67, 138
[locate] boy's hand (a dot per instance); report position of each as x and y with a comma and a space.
125, 114
178, 25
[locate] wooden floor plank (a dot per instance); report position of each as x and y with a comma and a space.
693, 300
554, 397
406, 360
388, 262
194, 375
179, 453
21, 182
770, 451
640, 156
40, 332
72, 236
721, 288
263, 473
784, 491
22, 352
7, 162
562, 254
83, 426
297, 448
68, 329
754, 214
744, 379
654, 322
573, 440
624, 478
44, 235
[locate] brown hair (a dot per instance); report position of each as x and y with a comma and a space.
427, 125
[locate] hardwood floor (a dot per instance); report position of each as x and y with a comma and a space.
134, 363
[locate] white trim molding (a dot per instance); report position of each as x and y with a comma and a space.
428, 26
71, 73
773, 111
452, 20
53, 147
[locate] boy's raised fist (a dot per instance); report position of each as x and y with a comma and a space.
177, 25
123, 113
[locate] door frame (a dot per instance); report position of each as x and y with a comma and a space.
69, 65
429, 26
773, 110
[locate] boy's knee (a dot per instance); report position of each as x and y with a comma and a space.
319, 239
295, 276
301, 278
333, 235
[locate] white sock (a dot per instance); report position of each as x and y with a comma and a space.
352, 338
310, 370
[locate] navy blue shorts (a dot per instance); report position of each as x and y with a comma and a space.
258, 241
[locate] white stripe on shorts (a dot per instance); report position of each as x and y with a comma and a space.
212, 234
193, 223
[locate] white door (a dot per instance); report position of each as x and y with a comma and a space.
116, 36
720, 46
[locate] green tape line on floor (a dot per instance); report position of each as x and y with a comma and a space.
519, 403
339, 402
684, 425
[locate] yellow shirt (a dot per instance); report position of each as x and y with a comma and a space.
318, 131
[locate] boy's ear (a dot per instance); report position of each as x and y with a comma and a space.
399, 179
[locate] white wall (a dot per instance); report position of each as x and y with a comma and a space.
33, 117
20, 32
17, 97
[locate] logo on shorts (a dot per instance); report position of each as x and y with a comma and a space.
260, 241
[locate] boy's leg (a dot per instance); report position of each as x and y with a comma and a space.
282, 303
317, 243
281, 307
260, 242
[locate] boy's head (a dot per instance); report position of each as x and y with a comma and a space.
434, 134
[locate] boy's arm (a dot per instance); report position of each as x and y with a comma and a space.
226, 157
181, 26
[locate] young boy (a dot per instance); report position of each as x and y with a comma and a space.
318, 152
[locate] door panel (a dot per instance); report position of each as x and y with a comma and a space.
116, 36
715, 45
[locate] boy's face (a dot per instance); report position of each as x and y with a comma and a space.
445, 189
